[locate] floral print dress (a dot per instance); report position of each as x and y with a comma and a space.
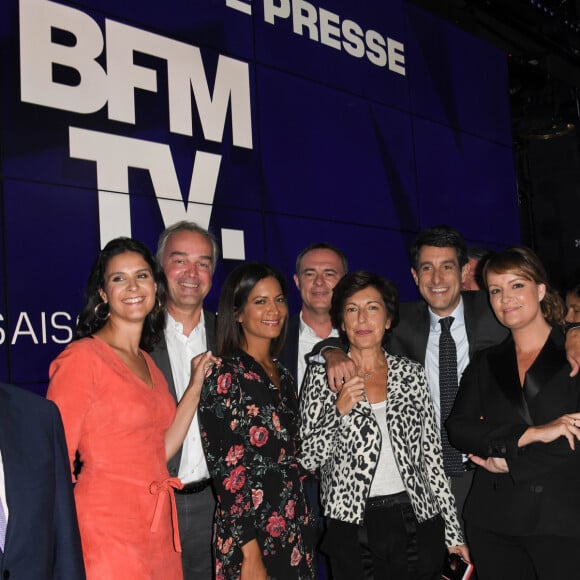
249, 430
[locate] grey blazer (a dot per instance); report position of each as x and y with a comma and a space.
161, 357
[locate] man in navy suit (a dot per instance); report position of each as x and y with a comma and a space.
188, 254
42, 540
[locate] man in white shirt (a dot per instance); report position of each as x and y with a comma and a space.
188, 255
319, 267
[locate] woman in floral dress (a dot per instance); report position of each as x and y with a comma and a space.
249, 424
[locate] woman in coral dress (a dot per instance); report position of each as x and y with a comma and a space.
119, 415
249, 426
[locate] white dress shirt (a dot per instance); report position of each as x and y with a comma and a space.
3, 489
307, 338
459, 334
181, 350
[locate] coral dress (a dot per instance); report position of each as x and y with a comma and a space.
123, 495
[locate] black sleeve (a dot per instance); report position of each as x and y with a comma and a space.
333, 342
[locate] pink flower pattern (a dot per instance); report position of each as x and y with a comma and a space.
254, 469
235, 453
258, 436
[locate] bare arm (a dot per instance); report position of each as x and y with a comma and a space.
252, 564
567, 426
187, 406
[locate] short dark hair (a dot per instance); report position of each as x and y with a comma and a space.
477, 252
350, 284
440, 237
185, 226
322, 246
526, 263
233, 298
88, 323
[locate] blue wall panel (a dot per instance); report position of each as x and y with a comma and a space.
288, 122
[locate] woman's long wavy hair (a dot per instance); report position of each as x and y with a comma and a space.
525, 263
88, 321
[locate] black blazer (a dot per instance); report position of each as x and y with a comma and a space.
409, 338
289, 354
161, 357
42, 539
540, 494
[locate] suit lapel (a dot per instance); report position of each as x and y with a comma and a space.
12, 459
210, 320
422, 335
161, 357
546, 365
505, 371
470, 317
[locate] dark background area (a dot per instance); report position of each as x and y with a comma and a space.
541, 40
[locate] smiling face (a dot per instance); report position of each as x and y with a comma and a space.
320, 271
187, 263
129, 287
439, 278
365, 319
515, 300
264, 313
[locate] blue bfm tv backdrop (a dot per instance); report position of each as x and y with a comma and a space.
275, 123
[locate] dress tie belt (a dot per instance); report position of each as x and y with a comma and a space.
162, 489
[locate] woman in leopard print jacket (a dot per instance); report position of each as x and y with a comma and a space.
390, 512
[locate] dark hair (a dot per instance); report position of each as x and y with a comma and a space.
234, 297
480, 254
440, 237
322, 246
350, 284
185, 226
477, 252
524, 261
88, 323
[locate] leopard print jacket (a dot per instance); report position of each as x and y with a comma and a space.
346, 449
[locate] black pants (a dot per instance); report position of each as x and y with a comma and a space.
391, 545
538, 557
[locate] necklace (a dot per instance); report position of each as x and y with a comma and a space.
367, 374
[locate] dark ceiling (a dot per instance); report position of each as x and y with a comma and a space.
542, 39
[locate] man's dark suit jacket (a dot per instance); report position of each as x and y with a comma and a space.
289, 354
42, 539
540, 494
161, 357
409, 338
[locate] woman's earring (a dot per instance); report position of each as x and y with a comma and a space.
98, 312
